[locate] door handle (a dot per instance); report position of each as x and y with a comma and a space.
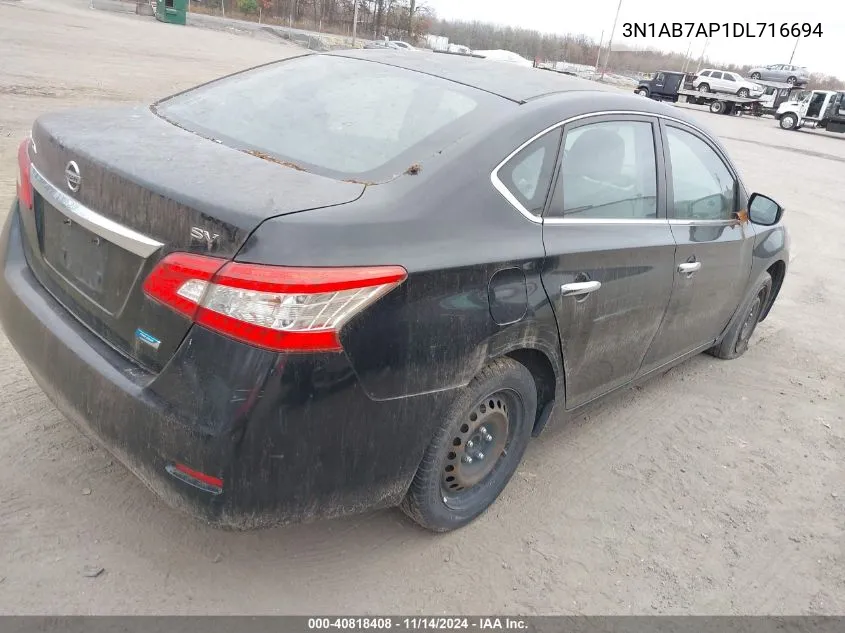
688, 268
579, 288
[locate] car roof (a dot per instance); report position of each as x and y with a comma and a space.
511, 81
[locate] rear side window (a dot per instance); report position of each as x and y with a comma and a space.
608, 172
716, 75
703, 188
706, 73
333, 115
528, 175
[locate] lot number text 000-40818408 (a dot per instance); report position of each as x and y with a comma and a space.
725, 29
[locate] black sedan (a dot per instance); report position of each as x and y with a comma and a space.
365, 279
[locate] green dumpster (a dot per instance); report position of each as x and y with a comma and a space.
172, 11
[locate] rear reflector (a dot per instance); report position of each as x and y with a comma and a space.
195, 478
273, 307
24, 184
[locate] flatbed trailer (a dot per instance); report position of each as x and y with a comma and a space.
724, 103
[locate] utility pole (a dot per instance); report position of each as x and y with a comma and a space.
610, 41
598, 55
701, 59
687, 57
354, 23
797, 39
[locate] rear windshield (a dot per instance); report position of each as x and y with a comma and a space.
337, 116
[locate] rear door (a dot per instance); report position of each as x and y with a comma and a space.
713, 255
716, 82
609, 250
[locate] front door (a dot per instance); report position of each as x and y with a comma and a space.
714, 248
609, 251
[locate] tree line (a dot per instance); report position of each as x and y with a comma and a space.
411, 20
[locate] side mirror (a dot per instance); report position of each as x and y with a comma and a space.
763, 210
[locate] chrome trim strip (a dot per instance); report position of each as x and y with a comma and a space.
499, 186
110, 230
645, 221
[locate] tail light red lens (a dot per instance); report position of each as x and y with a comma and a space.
274, 307
24, 184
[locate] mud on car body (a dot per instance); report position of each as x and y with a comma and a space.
377, 298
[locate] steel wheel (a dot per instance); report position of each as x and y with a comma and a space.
478, 445
789, 121
476, 449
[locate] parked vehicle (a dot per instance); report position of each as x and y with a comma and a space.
823, 109
777, 93
402, 45
382, 44
711, 80
330, 305
796, 75
672, 86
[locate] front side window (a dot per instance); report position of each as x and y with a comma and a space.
729, 77
703, 187
608, 172
528, 175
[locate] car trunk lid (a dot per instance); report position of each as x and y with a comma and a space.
118, 189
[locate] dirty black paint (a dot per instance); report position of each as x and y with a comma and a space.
299, 436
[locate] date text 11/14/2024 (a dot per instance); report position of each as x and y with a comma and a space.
725, 29
417, 623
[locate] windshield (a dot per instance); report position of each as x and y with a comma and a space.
337, 116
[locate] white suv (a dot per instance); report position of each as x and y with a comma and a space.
712, 80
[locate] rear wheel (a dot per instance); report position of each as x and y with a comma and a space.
791, 80
704, 87
476, 450
717, 107
789, 121
736, 340
742, 92
755, 75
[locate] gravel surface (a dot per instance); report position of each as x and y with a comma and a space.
717, 488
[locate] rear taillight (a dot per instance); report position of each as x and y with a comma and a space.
274, 307
25, 195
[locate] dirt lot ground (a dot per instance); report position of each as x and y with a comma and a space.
717, 488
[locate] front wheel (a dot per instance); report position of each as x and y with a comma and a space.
476, 450
789, 121
736, 340
643, 92
791, 81
755, 75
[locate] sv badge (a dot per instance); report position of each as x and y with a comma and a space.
205, 236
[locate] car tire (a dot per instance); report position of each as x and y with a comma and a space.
755, 75
717, 107
792, 80
736, 340
447, 492
643, 92
742, 93
704, 87
789, 121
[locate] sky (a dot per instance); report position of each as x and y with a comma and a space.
823, 54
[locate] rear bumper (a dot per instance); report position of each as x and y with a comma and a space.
293, 437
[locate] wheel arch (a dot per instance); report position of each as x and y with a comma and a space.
549, 382
778, 273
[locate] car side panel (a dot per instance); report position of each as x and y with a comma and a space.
453, 232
